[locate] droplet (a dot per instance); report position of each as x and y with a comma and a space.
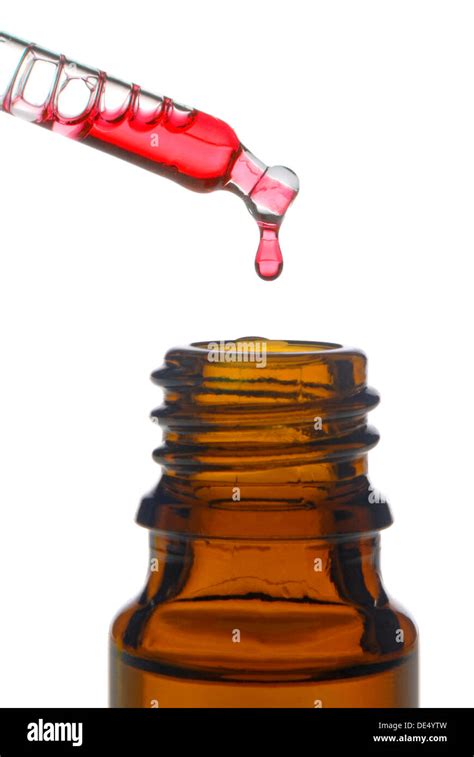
269, 260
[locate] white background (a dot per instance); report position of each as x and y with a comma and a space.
103, 267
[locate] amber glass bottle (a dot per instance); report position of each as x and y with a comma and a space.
264, 585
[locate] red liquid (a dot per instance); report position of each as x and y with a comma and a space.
269, 260
191, 147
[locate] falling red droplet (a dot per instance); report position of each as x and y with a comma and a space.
269, 260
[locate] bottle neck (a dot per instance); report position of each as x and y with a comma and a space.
264, 440
244, 509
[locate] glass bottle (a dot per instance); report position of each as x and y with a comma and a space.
264, 585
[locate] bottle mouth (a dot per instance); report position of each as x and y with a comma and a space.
274, 347
257, 402
254, 371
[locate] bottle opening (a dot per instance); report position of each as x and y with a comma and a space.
276, 347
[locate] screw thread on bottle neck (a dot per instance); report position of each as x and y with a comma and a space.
256, 426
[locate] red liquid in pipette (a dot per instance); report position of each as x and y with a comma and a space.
186, 145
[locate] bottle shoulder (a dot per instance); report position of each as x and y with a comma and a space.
245, 633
